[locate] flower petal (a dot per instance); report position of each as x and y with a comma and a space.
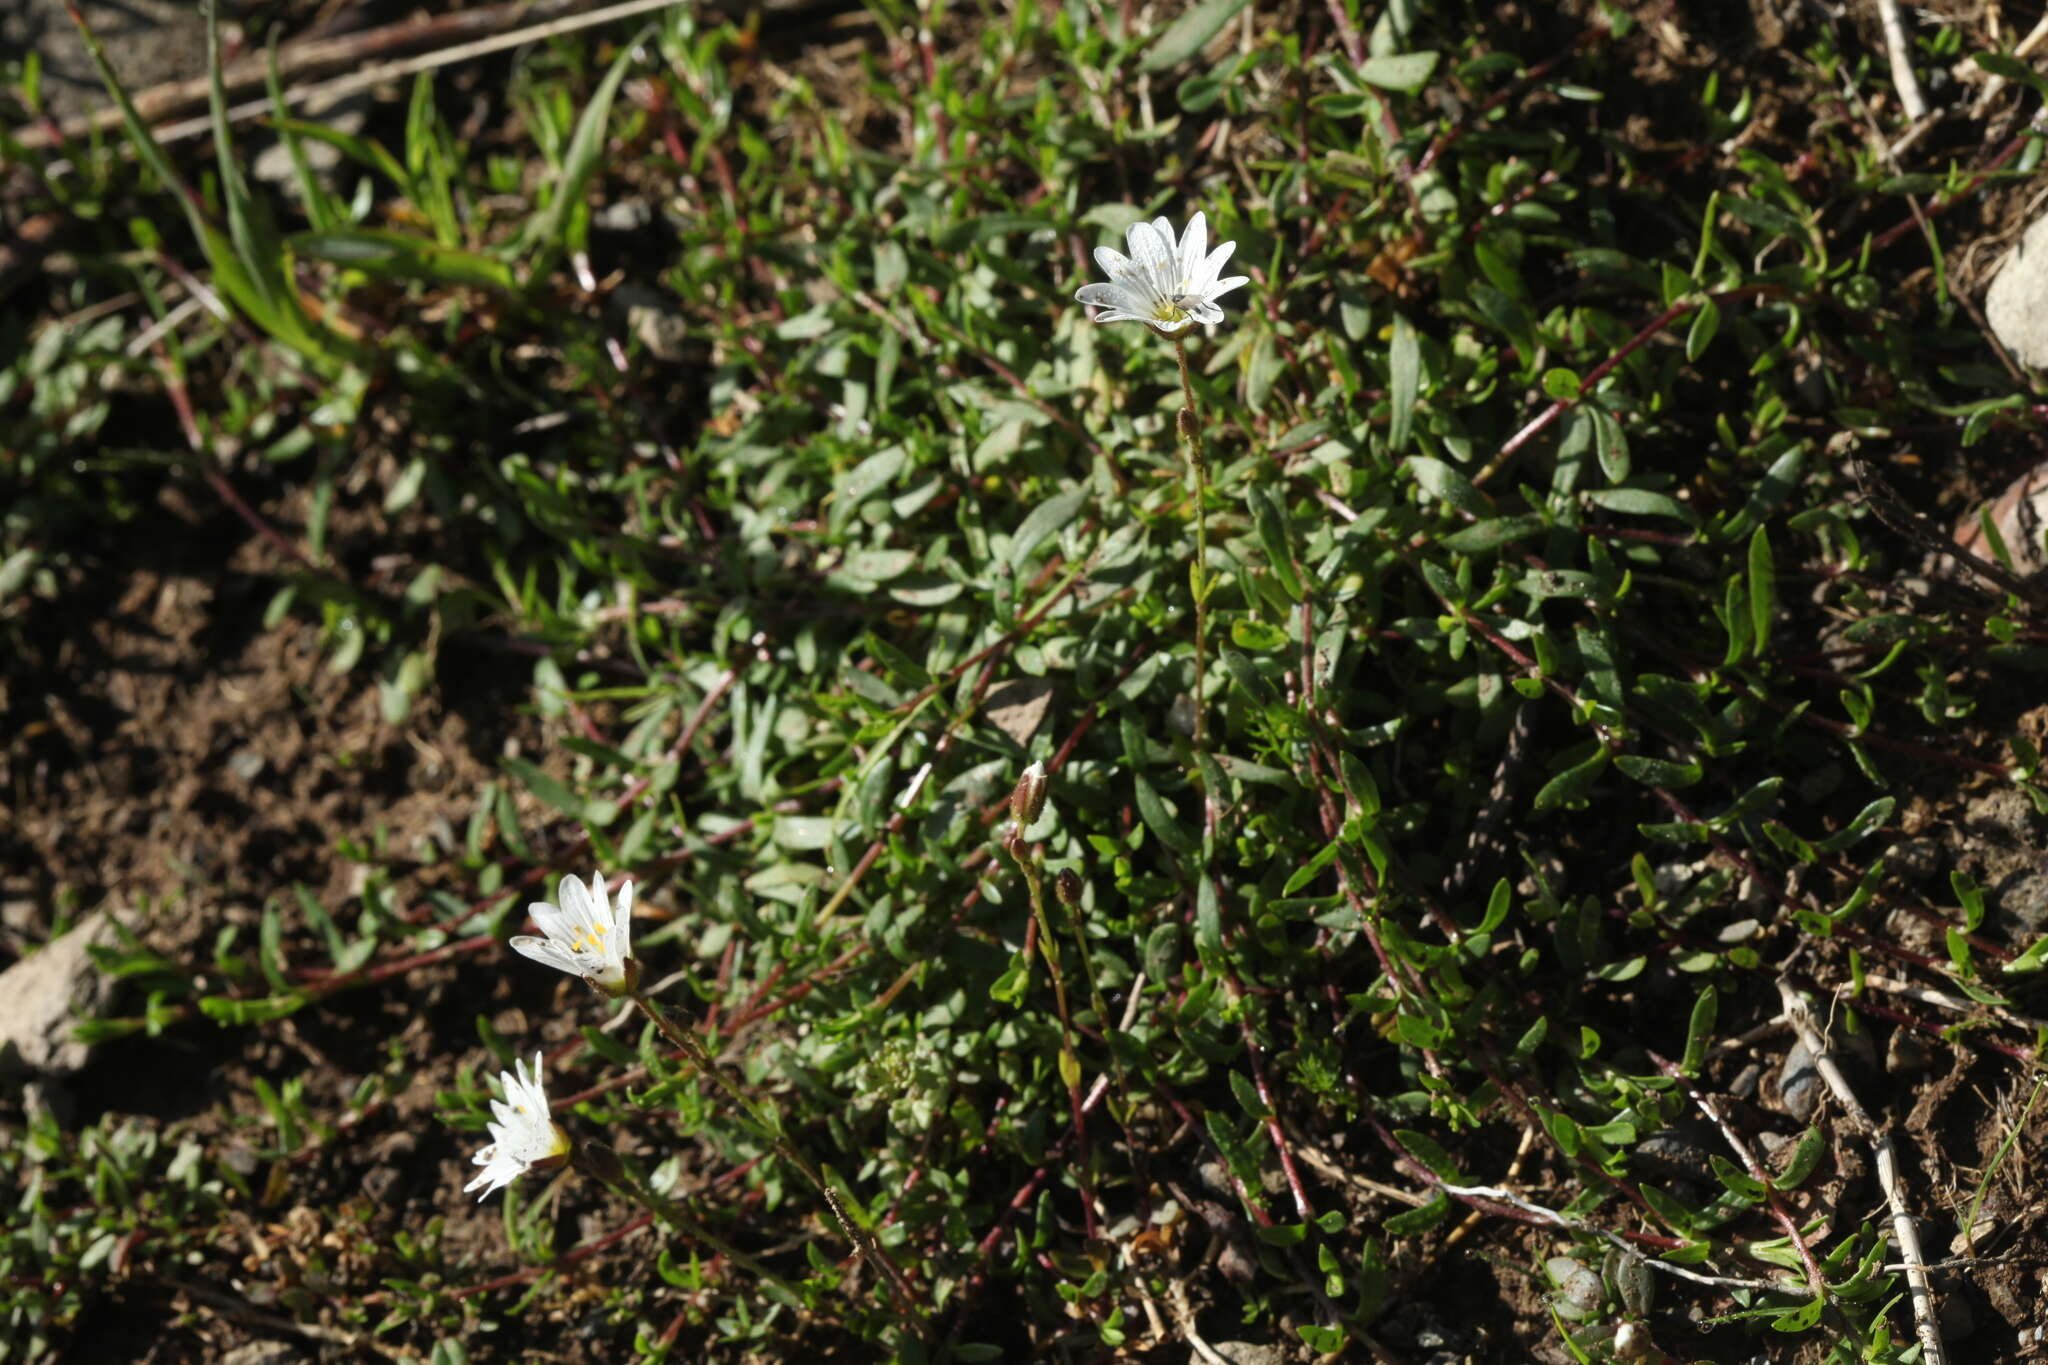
548, 953
1114, 263
623, 923
1213, 266
1194, 248
1108, 296
551, 921
1222, 287
1152, 252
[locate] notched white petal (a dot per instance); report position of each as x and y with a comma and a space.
1114, 263
548, 954
1107, 296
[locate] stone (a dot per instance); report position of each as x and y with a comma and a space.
1799, 1083
2017, 305
1249, 1353
655, 319
262, 1353
43, 996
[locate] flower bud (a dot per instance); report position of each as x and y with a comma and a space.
1067, 886
599, 1162
1027, 799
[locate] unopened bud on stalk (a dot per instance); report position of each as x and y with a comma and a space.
1189, 427
599, 1162
1027, 798
1067, 886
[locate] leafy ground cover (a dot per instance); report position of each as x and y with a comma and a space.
1541, 856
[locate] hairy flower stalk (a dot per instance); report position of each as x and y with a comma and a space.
1027, 803
1170, 285
1190, 425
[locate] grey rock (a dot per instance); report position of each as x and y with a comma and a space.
1249, 1353
262, 1353
624, 215
2024, 900
2017, 305
1799, 1083
655, 319
44, 995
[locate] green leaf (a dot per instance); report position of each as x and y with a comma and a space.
403, 256
1705, 323
1571, 785
1493, 533
1246, 675
1270, 525
1404, 387
1247, 1096
1656, 772
1867, 819
542, 236
1763, 586
1161, 818
550, 791
1189, 34
1507, 314
1610, 443
1045, 519
1446, 484
1804, 1158
1640, 502
1705, 1007
1406, 72
1425, 1149
1162, 952
1415, 1222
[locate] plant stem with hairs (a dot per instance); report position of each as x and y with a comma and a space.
1026, 859
1190, 427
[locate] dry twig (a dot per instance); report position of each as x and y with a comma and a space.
1497, 1195
1899, 49
1925, 1324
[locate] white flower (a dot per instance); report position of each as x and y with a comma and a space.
584, 936
1162, 282
522, 1134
